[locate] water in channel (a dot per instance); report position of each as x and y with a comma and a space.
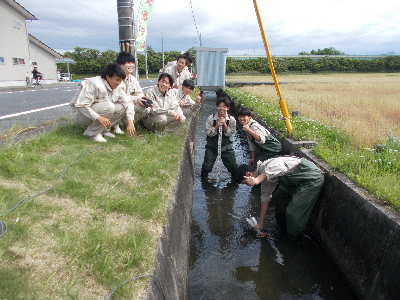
228, 261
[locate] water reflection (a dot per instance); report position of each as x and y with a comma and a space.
228, 261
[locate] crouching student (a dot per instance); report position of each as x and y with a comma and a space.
262, 144
180, 72
165, 113
185, 101
131, 86
100, 104
300, 183
213, 124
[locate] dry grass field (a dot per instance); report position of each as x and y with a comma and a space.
366, 106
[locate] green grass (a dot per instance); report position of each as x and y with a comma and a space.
377, 171
97, 227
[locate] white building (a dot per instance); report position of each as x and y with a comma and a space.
20, 51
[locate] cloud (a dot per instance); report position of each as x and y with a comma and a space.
290, 27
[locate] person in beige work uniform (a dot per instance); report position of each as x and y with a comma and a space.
100, 104
299, 183
185, 101
179, 72
173, 63
166, 112
131, 85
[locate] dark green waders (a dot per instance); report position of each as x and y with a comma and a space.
296, 196
272, 147
227, 154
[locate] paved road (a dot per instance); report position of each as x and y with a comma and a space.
37, 107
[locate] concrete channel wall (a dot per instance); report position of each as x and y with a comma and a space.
173, 256
360, 234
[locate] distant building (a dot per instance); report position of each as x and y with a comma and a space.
20, 51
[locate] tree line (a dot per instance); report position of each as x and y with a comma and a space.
92, 61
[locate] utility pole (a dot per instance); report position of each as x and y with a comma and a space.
145, 58
162, 49
126, 27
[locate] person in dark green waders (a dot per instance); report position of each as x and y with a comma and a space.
300, 183
213, 124
262, 144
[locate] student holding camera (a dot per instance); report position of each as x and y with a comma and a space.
165, 114
131, 86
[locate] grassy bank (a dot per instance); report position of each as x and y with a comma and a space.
367, 112
96, 226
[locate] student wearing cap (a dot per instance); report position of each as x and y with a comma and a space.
300, 183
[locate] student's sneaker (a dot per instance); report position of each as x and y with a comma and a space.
99, 138
118, 130
108, 134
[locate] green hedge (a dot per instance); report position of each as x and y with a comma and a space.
92, 61
310, 65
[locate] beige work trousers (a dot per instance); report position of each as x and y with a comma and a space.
112, 111
161, 122
141, 112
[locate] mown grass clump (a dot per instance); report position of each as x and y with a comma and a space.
376, 171
96, 226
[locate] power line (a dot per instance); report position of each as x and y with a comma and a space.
195, 21
91, 9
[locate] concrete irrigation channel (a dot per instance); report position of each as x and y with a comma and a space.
359, 238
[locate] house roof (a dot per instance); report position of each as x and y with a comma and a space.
21, 9
44, 46
65, 60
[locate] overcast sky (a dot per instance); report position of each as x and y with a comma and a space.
351, 26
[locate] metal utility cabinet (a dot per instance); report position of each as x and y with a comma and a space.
210, 68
